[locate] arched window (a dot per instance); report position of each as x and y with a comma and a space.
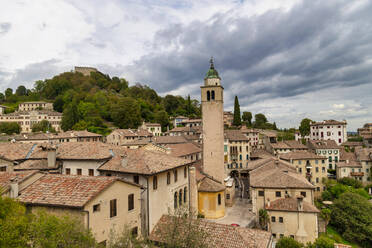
212, 94
185, 172
180, 197
175, 199
155, 182
185, 194
168, 177
219, 199
208, 96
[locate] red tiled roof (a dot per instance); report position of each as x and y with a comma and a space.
180, 150
5, 177
217, 235
300, 155
65, 190
291, 205
142, 161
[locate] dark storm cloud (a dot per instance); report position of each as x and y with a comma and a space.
316, 45
31, 73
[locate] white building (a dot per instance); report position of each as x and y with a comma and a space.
154, 128
329, 130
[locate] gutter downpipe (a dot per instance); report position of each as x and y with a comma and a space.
148, 207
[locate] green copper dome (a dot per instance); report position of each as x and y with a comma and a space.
212, 73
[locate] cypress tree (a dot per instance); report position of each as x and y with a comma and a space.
237, 118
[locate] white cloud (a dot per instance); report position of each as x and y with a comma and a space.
338, 106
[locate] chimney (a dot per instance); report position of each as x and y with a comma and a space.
52, 156
14, 187
300, 203
268, 202
193, 191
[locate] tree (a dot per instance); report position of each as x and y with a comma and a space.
180, 230
305, 127
325, 213
24, 229
21, 91
237, 121
70, 116
322, 242
263, 218
352, 218
247, 117
162, 118
260, 120
43, 126
126, 113
2, 97
10, 127
189, 106
58, 104
274, 126
288, 242
8, 93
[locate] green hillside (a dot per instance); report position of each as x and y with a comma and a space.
97, 102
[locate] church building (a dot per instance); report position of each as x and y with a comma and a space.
214, 188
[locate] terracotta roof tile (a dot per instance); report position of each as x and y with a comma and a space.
235, 135
300, 155
295, 144
328, 122
323, 144
5, 177
290, 204
180, 150
207, 184
219, 235
64, 190
142, 161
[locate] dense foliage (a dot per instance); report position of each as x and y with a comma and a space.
10, 127
22, 229
96, 102
43, 126
352, 217
305, 127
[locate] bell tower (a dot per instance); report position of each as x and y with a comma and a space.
212, 116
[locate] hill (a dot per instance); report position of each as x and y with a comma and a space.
97, 101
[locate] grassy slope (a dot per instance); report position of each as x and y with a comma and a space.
334, 235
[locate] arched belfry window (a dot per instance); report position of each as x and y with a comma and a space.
175, 199
208, 96
212, 94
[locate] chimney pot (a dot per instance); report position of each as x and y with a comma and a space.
14, 188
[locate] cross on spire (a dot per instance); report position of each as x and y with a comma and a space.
211, 62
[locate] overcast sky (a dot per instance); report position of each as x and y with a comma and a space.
287, 59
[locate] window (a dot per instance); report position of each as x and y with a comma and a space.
261, 193
323, 161
272, 218
185, 194
185, 172
175, 199
78, 172
175, 175
96, 208
130, 202
274, 235
228, 196
330, 158
316, 169
317, 189
208, 96
278, 194
219, 199
134, 231
155, 183
180, 198
300, 170
68, 171
136, 179
280, 219
281, 235
168, 177
316, 161
212, 95
91, 172
303, 193
113, 212
299, 161
317, 180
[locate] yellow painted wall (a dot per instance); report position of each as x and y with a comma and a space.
208, 205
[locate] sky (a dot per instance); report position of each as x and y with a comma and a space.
288, 59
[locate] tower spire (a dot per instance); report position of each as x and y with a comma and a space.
211, 62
